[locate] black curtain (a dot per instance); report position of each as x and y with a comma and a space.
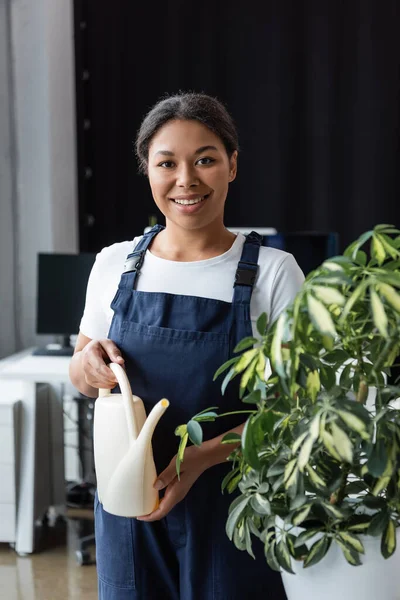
313, 87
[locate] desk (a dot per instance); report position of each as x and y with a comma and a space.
37, 381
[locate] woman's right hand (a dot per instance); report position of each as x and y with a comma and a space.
95, 356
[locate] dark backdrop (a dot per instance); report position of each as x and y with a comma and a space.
313, 87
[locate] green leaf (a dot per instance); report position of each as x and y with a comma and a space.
235, 512
245, 360
247, 375
305, 536
260, 504
271, 557
320, 316
277, 468
337, 356
283, 556
328, 376
181, 430
315, 478
262, 323
387, 243
223, 367
388, 542
207, 416
345, 377
248, 446
352, 421
352, 541
245, 343
195, 432
231, 438
391, 278
313, 384
289, 469
228, 377
377, 460
276, 346
382, 226
317, 552
180, 453
378, 523
356, 295
301, 514
361, 258
378, 313
305, 452
390, 295
253, 398
342, 443
378, 250
327, 440
229, 476
332, 511
329, 295
352, 557
297, 443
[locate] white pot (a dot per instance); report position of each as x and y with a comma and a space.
334, 579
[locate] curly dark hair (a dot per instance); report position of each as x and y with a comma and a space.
186, 106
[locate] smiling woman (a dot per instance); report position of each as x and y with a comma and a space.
188, 293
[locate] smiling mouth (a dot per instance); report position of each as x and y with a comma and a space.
189, 201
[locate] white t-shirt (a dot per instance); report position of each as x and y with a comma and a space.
278, 281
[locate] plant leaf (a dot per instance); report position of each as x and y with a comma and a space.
352, 557
353, 422
271, 557
352, 540
283, 556
260, 504
305, 536
313, 384
231, 438
223, 367
320, 316
315, 478
245, 343
391, 295
276, 346
317, 552
262, 323
305, 452
342, 443
235, 511
378, 459
329, 295
301, 514
377, 250
378, 523
378, 313
388, 542
195, 432
180, 453
245, 360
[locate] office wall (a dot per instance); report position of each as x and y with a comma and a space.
37, 104
7, 192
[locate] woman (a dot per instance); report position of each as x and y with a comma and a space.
193, 291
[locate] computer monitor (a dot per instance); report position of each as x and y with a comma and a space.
310, 249
61, 291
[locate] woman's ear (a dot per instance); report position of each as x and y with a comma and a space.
233, 166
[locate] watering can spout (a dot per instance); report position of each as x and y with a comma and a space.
149, 426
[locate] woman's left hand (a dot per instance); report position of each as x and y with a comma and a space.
194, 465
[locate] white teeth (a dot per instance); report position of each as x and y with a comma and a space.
189, 202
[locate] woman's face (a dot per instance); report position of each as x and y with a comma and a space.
189, 173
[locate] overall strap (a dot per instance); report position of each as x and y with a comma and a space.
247, 269
134, 260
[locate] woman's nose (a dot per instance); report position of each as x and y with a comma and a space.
187, 176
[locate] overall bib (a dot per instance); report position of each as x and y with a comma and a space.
172, 346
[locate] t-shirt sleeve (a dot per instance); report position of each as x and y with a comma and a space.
94, 322
287, 282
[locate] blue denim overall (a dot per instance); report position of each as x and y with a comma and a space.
172, 346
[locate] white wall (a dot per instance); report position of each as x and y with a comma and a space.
41, 69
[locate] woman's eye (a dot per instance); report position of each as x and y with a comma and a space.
167, 164
205, 161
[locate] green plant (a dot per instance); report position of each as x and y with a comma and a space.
319, 456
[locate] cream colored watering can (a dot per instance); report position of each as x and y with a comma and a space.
123, 454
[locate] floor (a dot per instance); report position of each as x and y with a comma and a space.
52, 573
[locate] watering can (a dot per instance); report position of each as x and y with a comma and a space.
123, 455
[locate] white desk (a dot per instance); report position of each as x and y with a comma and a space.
37, 381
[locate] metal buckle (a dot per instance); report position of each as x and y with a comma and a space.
134, 263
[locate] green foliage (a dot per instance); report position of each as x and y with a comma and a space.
319, 457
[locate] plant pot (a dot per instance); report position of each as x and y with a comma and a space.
334, 579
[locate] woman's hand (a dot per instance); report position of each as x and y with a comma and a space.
195, 463
95, 355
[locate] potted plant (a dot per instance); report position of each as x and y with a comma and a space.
316, 473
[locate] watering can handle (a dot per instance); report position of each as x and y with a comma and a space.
126, 393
